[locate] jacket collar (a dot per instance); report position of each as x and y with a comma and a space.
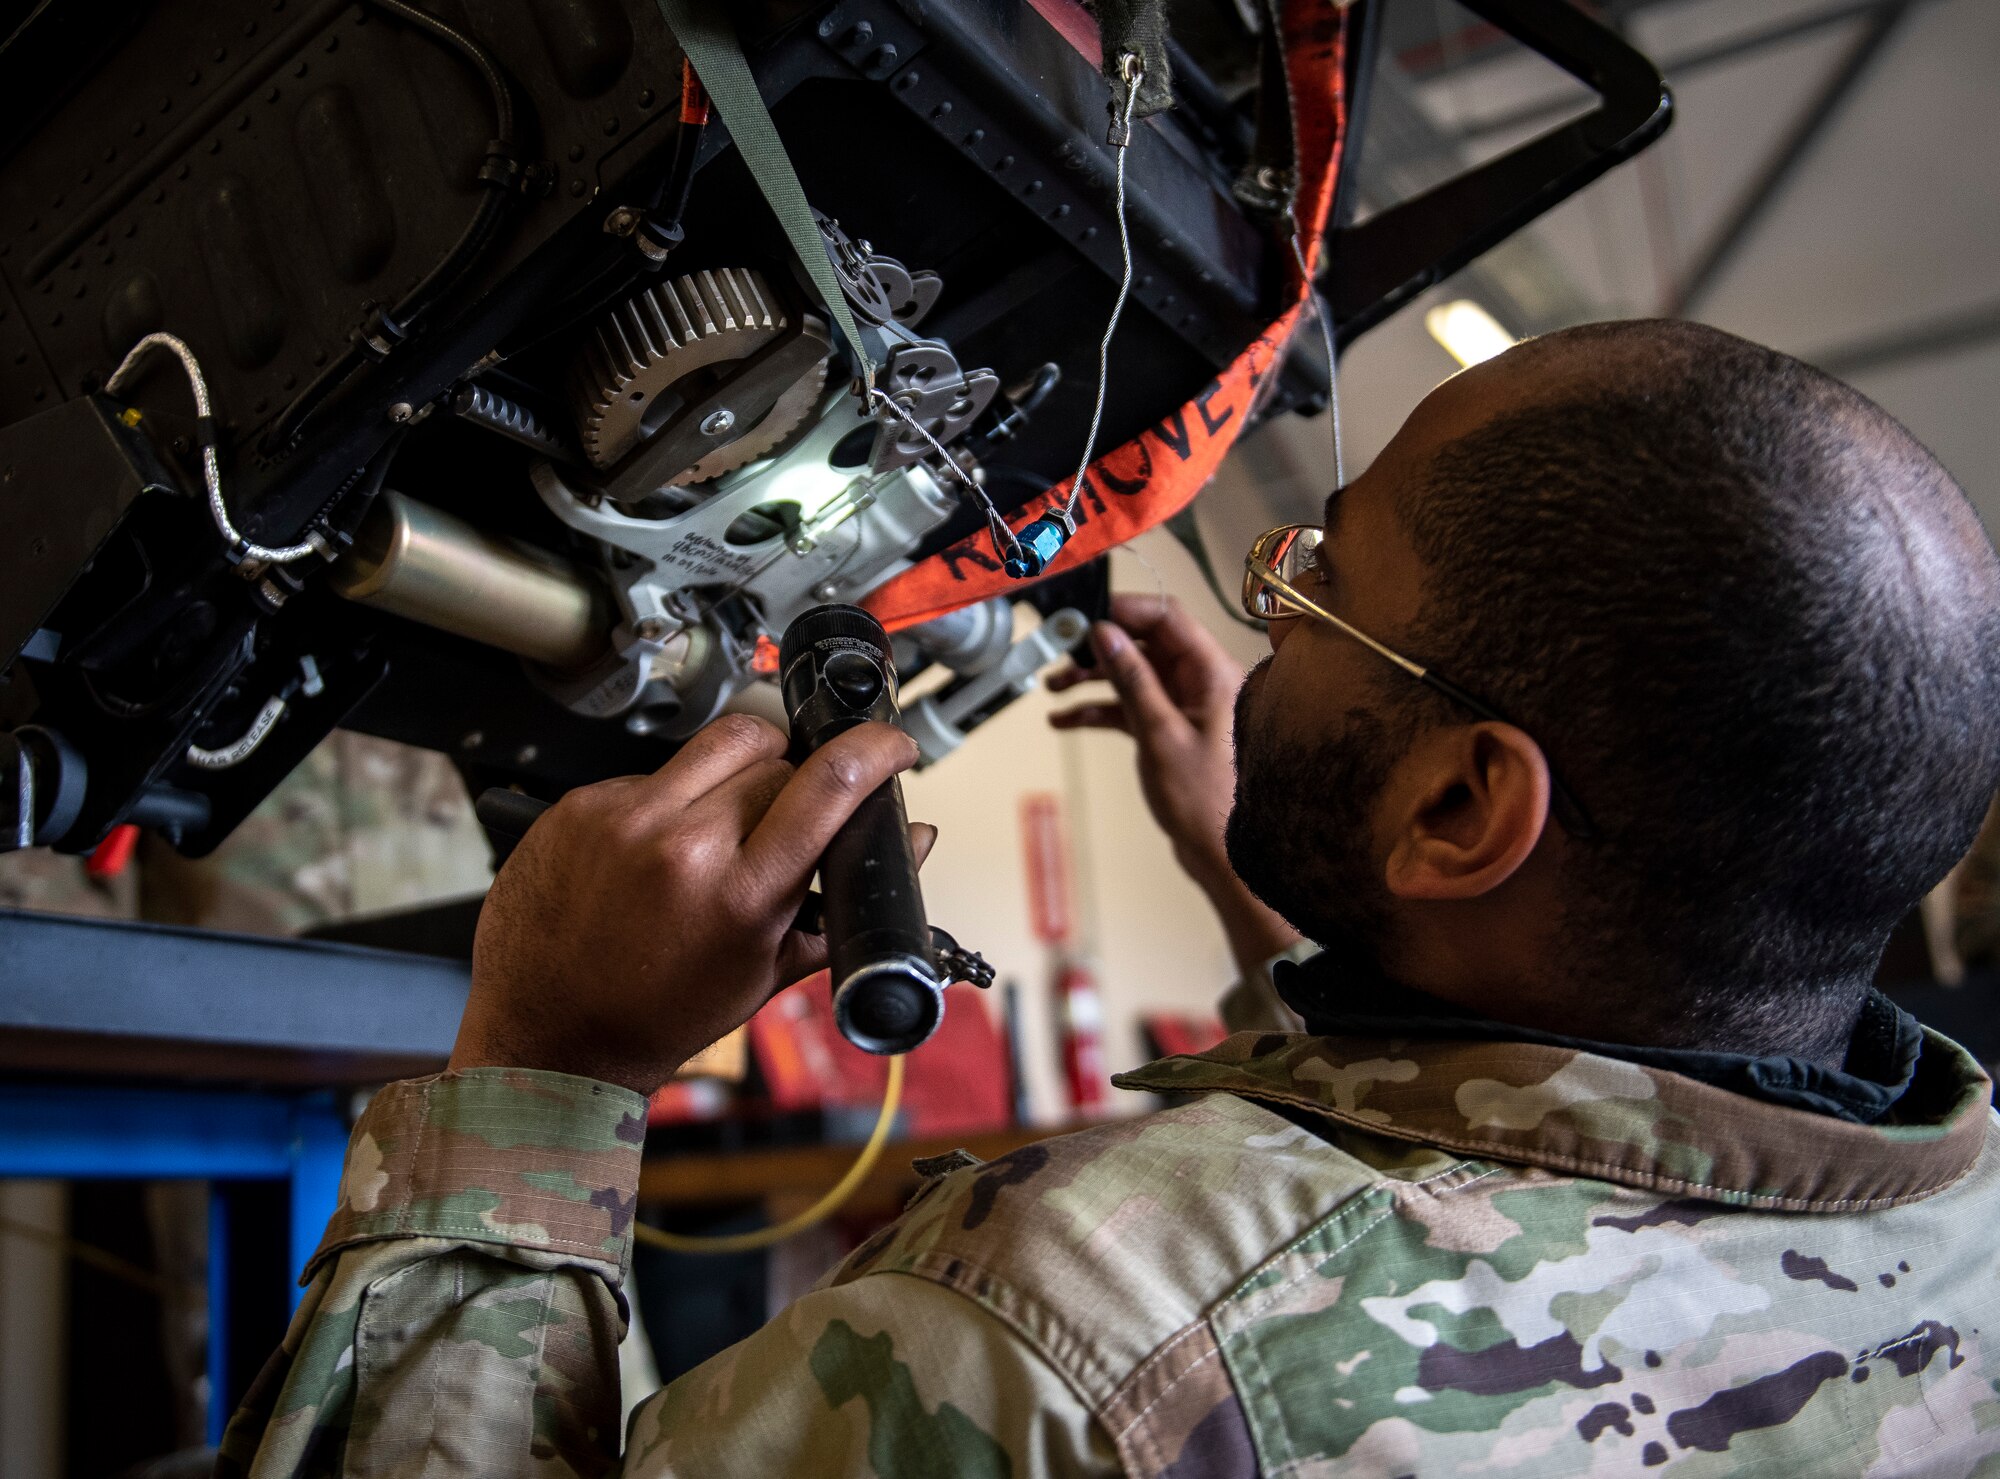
1881, 1056
1584, 1114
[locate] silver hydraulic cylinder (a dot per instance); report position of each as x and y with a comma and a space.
430, 566
939, 722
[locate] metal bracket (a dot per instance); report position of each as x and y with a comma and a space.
666, 572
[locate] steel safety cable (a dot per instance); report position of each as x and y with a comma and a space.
1004, 542
1323, 316
939, 582
1133, 71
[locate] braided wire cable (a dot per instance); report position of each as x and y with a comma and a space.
1004, 542
240, 548
1133, 72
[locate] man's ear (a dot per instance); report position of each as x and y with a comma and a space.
1472, 805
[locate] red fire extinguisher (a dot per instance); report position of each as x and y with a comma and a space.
1082, 1037
1051, 901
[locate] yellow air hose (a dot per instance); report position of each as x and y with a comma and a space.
819, 1211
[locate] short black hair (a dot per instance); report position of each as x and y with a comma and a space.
1756, 627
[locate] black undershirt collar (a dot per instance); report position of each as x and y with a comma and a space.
1881, 1057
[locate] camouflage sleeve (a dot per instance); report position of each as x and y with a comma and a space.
463, 1318
890, 1376
463, 1314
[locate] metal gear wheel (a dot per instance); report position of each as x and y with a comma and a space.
672, 344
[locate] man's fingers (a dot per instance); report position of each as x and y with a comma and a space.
1067, 677
748, 794
1136, 610
1092, 716
718, 751
800, 957
1168, 632
1146, 704
823, 794
1153, 618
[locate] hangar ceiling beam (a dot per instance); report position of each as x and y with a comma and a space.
1792, 151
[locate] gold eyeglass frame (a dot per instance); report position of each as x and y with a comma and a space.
1261, 578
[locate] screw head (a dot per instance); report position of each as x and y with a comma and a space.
526, 755
650, 629
715, 423
825, 591
402, 411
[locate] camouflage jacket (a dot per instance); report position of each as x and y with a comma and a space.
1343, 1256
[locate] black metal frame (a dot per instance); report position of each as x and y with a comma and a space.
1376, 267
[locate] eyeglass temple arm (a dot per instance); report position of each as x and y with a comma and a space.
1567, 809
1263, 571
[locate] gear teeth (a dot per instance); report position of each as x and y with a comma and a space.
653, 339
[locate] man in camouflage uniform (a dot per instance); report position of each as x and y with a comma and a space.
1598, 1155
363, 825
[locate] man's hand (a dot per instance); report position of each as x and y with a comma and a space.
1175, 695
1175, 687
643, 918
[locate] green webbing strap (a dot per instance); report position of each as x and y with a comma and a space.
705, 33
1187, 533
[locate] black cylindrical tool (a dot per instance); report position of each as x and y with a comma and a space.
888, 992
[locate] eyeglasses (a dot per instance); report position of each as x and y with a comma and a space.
1276, 564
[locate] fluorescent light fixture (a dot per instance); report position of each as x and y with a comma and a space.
1468, 332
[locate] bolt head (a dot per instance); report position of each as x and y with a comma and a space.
825, 591
1040, 543
650, 629
715, 423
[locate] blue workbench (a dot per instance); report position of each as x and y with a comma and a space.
153, 1053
